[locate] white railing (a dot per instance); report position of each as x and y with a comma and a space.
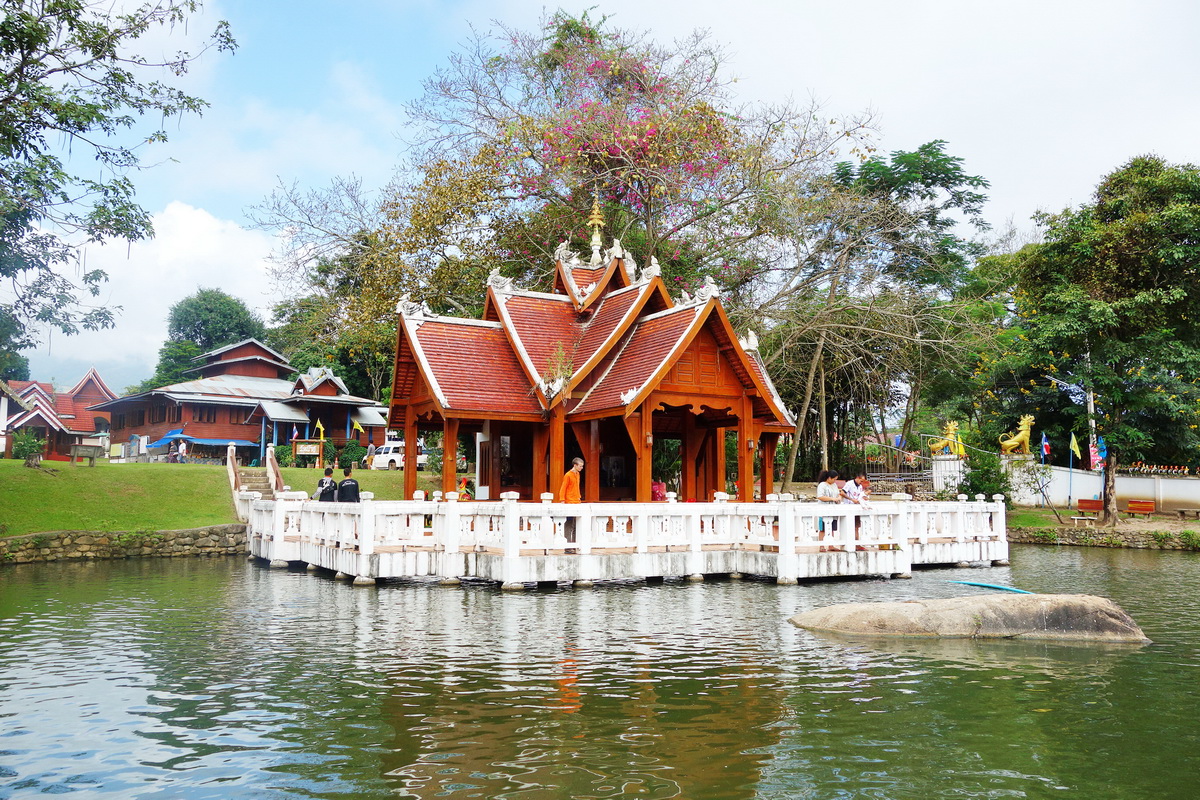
513, 529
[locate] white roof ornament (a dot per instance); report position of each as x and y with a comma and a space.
552, 387
750, 342
652, 271
615, 252
685, 299
591, 287
596, 222
628, 397
499, 282
708, 291
413, 310
564, 253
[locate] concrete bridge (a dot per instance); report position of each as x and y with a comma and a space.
516, 544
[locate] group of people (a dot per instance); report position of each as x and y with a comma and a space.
330, 491
852, 492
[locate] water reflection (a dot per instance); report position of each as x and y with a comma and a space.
199, 679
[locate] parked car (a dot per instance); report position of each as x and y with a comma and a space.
391, 456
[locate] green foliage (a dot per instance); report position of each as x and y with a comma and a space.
351, 455
1162, 537
13, 367
283, 454
25, 444
211, 318
76, 86
174, 361
1190, 539
1049, 537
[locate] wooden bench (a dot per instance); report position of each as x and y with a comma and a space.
1183, 512
1086, 507
1140, 508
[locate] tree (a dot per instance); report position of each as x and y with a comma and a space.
72, 81
175, 360
211, 318
1108, 303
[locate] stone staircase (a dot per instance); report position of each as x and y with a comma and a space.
255, 479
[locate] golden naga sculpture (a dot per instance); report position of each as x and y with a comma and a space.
949, 443
1018, 443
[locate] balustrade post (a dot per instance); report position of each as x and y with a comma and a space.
366, 525
583, 529
787, 563
641, 531
511, 528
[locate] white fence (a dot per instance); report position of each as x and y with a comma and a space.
517, 542
1062, 485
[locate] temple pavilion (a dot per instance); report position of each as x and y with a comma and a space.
600, 368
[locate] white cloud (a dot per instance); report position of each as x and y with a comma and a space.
191, 249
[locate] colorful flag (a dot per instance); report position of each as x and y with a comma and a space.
1045, 444
1075, 446
320, 430
358, 427
295, 432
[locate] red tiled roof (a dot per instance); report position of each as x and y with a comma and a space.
604, 322
632, 365
542, 324
474, 366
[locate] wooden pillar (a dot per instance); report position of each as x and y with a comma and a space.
718, 462
745, 453
558, 449
588, 436
449, 455
767, 479
639, 428
410, 452
541, 435
690, 453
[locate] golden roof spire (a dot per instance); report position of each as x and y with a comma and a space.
596, 222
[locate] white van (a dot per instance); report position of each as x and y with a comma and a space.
390, 455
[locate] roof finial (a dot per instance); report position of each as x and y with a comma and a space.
596, 222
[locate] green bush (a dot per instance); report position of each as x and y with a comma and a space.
284, 456
986, 476
1190, 539
26, 444
352, 455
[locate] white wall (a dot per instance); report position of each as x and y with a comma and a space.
1168, 493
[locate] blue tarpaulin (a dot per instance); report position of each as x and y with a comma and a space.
170, 436
223, 442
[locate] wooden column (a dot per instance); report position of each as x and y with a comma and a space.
767, 479
718, 462
745, 455
588, 436
690, 454
449, 455
410, 452
558, 449
638, 426
540, 436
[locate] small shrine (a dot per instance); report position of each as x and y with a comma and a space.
598, 368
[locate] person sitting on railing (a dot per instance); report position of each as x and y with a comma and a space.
827, 492
854, 492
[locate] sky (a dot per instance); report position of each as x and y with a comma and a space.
1040, 98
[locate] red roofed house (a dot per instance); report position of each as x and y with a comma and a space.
598, 368
241, 394
61, 418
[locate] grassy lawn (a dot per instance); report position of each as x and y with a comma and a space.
1035, 518
134, 497
386, 484
112, 497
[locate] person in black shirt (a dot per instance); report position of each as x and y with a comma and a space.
326, 488
347, 490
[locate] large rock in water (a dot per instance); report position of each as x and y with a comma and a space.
1077, 617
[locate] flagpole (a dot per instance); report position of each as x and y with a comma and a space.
1070, 474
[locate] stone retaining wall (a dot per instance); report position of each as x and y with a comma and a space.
1107, 537
215, 540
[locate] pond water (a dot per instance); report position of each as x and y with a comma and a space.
221, 679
